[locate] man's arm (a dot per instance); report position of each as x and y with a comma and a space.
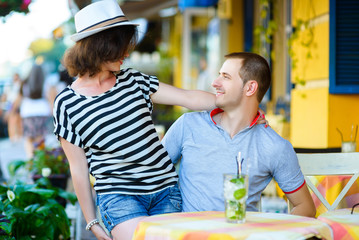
302, 202
173, 140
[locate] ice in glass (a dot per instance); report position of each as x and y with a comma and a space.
235, 188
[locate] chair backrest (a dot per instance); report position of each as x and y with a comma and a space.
323, 164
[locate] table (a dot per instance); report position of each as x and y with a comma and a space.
330, 187
212, 225
343, 224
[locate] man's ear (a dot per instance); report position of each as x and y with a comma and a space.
251, 87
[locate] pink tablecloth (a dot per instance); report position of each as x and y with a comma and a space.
345, 226
212, 225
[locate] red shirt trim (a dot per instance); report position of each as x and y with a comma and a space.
214, 112
295, 189
254, 122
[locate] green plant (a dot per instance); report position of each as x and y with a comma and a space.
7, 6
46, 161
165, 65
265, 30
302, 35
32, 212
306, 42
53, 158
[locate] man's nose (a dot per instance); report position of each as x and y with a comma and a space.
216, 82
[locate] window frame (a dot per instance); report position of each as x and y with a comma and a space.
335, 87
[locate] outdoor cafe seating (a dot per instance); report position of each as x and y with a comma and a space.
331, 223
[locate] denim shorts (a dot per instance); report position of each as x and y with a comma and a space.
118, 208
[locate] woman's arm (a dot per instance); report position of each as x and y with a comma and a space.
81, 182
191, 99
195, 100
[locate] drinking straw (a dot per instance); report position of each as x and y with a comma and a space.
239, 163
341, 134
355, 134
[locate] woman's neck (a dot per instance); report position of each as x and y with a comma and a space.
94, 85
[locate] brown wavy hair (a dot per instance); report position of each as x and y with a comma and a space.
88, 54
32, 87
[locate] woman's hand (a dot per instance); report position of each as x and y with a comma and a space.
262, 118
98, 231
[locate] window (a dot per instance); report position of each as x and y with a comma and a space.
344, 47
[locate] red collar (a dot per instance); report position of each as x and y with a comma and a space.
214, 112
218, 110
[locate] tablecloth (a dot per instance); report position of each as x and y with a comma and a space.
212, 226
345, 226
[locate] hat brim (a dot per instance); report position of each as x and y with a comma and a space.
78, 36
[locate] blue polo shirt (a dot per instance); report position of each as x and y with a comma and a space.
207, 152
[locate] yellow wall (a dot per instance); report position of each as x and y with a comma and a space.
176, 43
309, 118
307, 9
236, 28
343, 114
316, 114
310, 104
316, 67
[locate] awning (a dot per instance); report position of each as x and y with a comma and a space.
145, 8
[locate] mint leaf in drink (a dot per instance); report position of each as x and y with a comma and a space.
237, 180
240, 211
239, 193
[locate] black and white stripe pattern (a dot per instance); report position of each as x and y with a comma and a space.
117, 133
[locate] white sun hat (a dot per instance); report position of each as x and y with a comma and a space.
97, 17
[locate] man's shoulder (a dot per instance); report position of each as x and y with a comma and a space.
271, 139
267, 132
193, 119
195, 115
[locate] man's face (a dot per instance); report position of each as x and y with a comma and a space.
229, 85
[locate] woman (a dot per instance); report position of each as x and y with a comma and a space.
12, 112
103, 121
35, 110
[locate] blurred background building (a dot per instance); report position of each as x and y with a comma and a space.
312, 47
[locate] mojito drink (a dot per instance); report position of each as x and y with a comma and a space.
235, 196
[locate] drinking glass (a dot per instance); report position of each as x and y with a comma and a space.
235, 188
349, 146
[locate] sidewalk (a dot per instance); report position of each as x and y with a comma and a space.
11, 151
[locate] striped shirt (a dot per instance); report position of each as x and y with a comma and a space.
116, 131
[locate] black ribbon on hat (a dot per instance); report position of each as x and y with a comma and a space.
105, 23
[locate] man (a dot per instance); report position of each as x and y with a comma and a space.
209, 142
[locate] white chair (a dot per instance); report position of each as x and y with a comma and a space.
75, 215
323, 164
